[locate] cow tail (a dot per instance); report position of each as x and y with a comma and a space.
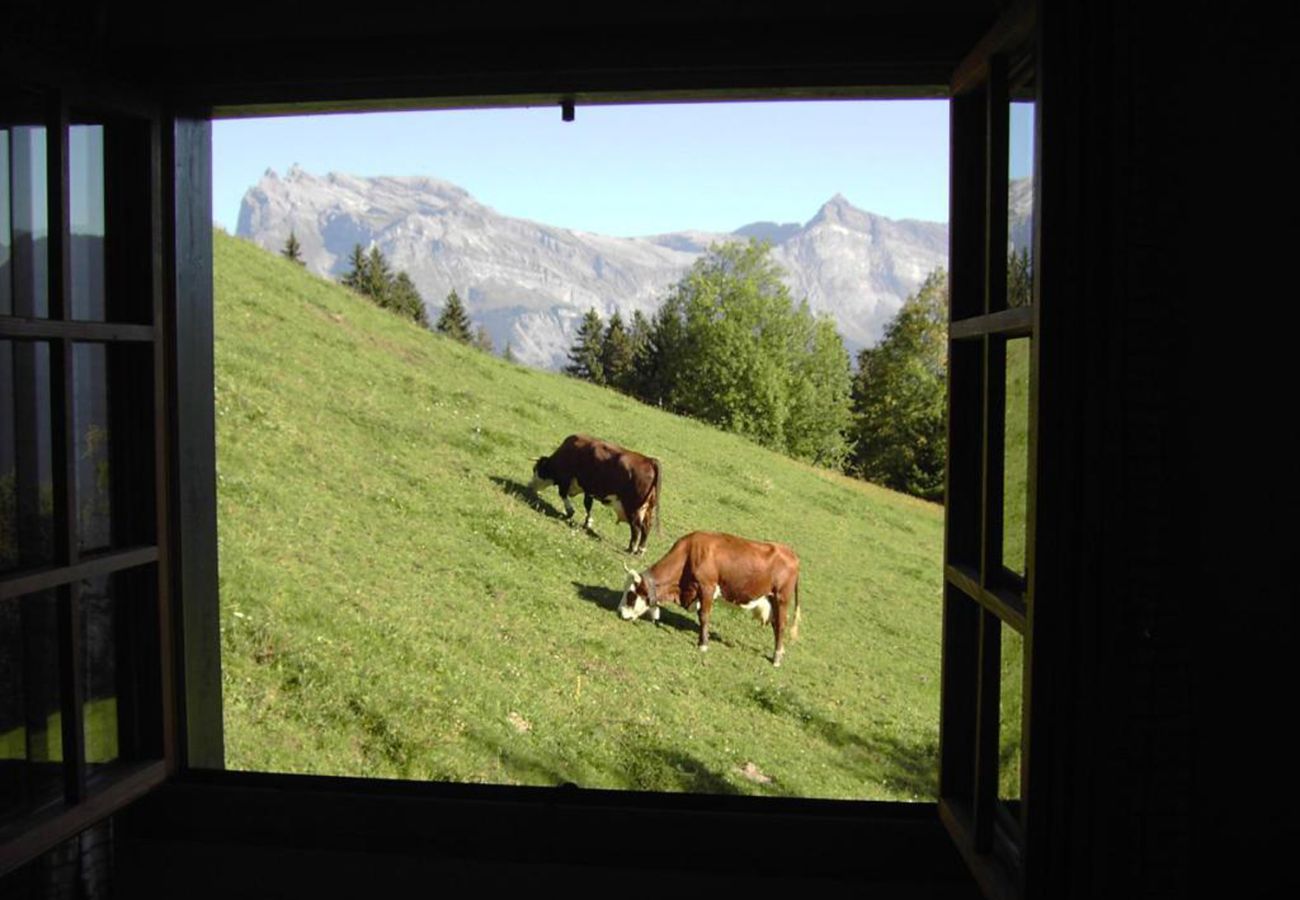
794, 628
658, 496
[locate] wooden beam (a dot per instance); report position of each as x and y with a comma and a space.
1015, 322
1013, 29
89, 566
191, 423
20, 328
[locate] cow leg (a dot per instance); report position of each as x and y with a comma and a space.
631, 543
586, 502
778, 625
706, 606
564, 495
640, 531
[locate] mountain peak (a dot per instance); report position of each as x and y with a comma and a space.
837, 205
839, 211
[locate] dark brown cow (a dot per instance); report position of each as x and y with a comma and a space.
704, 566
608, 473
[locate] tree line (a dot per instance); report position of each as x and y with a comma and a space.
731, 347
372, 276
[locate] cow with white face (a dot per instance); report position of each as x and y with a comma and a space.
760, 576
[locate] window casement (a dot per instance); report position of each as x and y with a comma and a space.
109, 647
988, 601
85, 679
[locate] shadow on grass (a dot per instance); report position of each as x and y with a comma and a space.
645, 769
520, 492
519, 766
658, 769
604, 597
607, 598
912, 767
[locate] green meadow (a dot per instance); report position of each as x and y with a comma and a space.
395, 604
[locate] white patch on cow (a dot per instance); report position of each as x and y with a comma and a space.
694, 607
654, 614
717, 592
635, 609
618, 507
633, 605
760, 608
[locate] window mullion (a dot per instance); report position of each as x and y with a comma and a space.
63, 449
986, 740
71, 681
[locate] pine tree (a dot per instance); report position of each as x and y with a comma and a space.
639, 337
482, 339
405, 300
357, 260
616, 357
454, 322
656, 377
293, 250
378, 278
588, 350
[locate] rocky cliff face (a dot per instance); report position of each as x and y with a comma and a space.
530, 283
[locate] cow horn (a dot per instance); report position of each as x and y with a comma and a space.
633, 572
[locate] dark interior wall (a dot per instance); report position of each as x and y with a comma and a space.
1180, 631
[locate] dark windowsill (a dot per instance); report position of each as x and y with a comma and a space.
869, 841
112, 789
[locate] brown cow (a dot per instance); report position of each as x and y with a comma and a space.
608, 473
704, 566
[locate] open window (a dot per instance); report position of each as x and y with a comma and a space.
84, 667
107, 351
989, 549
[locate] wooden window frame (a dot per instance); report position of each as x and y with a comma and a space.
977, 598
981, 596
135, 305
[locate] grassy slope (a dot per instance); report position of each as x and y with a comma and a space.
393, 604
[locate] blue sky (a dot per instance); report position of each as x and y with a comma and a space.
623, 170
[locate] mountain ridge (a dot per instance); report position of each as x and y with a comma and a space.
529, 283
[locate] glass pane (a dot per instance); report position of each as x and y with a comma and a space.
6, 232
1020, 205
28, 223
99, 669
86, 208
90, 438
1009, 713
26, 466
1015, 467
30, 722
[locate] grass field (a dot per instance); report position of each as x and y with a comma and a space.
395, 604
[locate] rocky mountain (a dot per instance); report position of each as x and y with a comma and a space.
530, 283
